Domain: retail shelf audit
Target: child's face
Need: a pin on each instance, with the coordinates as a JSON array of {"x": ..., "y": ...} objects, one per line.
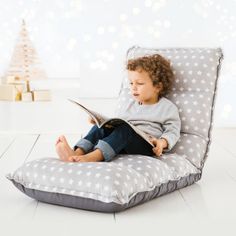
[{"x": 142, "y": 88}]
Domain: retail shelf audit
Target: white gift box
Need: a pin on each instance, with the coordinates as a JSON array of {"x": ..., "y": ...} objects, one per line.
[
  {"x": 27, "y": 97},
  {"x": 41, "y": 95}
]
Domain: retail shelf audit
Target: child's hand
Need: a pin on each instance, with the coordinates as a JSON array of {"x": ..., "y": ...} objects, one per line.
[
  {"x": 159, "y": 144},
  {"x": 91, "y": 120}
]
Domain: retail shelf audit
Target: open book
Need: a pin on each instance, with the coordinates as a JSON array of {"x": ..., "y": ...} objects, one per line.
[{"x": 102, "y": 120}]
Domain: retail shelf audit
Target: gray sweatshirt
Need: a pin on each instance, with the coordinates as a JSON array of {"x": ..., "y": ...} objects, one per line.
[{"x": 160, "y": 120}]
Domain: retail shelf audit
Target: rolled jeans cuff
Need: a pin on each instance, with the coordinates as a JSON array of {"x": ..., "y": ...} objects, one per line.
[
  {"x": 106, "y": 149},
  {"x": 85, "y": 144}
]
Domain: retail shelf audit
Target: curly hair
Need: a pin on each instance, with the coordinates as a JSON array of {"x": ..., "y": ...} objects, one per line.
[{"x": 158, "y": 69}]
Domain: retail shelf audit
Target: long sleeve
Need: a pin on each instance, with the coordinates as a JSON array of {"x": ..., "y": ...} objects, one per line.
[
  {"x": 171, "y": 128},
  {"x": 160, "y": 120}
]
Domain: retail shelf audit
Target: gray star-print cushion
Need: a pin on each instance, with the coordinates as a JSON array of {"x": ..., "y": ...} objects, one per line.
[
  {"x": 118, "y": 181},
  {"x": 196, "y": 71},
  {"x": 129, "y": 180}
]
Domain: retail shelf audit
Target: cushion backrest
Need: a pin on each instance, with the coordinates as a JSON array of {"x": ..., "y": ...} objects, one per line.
[{"x": 196, "y": 73}]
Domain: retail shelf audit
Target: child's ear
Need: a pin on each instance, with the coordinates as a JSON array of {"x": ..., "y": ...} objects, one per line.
[{"x": 159, "y": 86}]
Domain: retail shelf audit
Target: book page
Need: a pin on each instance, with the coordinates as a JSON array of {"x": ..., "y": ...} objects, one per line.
[{"x": 97, "y": 117}]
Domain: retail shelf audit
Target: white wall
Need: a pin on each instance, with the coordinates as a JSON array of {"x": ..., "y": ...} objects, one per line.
[{"x": 82, "y": 43}]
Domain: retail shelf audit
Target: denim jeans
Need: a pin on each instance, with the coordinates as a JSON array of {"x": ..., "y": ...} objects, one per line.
[{"x": 113, "y": 141}]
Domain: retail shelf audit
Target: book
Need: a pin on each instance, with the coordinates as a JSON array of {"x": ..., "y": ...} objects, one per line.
[{"x": 102, "y": 120}]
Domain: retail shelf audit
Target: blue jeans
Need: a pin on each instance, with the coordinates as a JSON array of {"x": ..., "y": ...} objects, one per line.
[{"x": 113, "y": 141}]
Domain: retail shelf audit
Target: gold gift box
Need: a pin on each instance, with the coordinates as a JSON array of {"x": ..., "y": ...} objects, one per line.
[{"x": 11, "y": 92}]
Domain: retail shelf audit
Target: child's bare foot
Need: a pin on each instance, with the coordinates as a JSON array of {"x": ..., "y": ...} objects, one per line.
[
  {"x": 93, "y": 156},
  {"x": 61, "y": 139},
  {"x": 81, "y": 158},
  {"x": 79, "y": 152},
  {"x": 63, "y": 149}
]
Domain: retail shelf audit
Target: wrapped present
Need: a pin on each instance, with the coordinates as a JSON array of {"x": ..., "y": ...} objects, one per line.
[
  {"x": 27, "y": 97},
  {"x": 11, "y": 92},
  {"x": 41, "y": 95}
]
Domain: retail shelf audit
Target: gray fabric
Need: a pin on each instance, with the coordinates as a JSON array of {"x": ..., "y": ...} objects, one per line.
[
  {"x": 117, "y": 181},
  {"x": 96, "y": 205},
  {"x": 133, "y": 179},
  {"x": 158, "y": 120},
  {"x": 107, "y": 151}
]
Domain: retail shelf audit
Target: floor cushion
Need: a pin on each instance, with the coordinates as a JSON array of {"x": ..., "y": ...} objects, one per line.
[{"x": 129, "y": 180}]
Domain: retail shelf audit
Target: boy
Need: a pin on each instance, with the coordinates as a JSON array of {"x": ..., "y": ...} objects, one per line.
[{"x": 151, "y": 78}]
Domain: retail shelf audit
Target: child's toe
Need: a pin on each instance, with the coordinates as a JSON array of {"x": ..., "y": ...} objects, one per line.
[{"x": 63, "y": 139}]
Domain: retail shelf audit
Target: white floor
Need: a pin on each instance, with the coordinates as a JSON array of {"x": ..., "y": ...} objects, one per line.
[{"x": 208, "y": 206}]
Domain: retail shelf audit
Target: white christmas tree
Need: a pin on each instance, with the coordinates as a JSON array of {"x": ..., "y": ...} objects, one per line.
[{"x": 25, "y": 64}]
